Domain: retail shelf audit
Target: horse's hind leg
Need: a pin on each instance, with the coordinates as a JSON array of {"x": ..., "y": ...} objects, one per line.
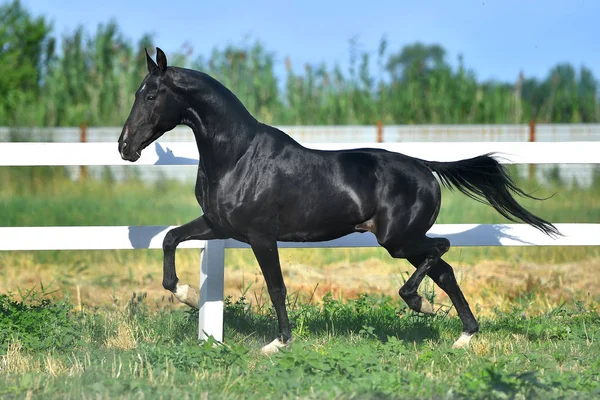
[
  {"x": 426, "y": 256},
  {"x": 194, "y": 230},
  {"x": 443, "y": 275},
  {"x": 425, "y": 253}
]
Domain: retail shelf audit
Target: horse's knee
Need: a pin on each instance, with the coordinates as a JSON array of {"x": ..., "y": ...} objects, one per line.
[
  {"x": 442, "y": 245},
  {"x": 170, "y": 241}
]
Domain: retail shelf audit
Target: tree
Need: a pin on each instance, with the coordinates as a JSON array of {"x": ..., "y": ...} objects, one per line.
[
  {"x": 416, "y": 61},
  {"x": 587, "y": 96},
  {"x": 95, "y": 76},
  {"x": 25, "y": 47}
]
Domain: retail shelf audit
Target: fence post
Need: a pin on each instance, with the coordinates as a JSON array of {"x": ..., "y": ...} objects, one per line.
[
  {"x": 212, "y": 266},
  {"x": 379, "y": 132},
  {"x": 531, "y": 139},
  {"x": 83, "y": 139}
]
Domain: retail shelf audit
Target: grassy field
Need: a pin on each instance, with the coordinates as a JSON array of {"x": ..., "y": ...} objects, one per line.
[{"x": 371, "y": 347}]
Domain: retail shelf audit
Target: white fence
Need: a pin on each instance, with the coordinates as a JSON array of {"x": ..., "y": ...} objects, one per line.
[
  {"x": 579, "y": 174},
  {"x": 213, "y": 256}
]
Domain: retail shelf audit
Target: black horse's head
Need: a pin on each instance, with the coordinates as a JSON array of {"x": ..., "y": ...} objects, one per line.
[{"x": 156, "y": 110}]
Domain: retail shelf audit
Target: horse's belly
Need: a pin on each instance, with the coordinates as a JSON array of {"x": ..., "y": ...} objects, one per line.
[
  {"x": 310, "y": 228},
  {"x": 315, "y": 236}
]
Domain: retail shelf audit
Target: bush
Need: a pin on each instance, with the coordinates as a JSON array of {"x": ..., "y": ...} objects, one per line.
[{"x": 38, "y": 323}]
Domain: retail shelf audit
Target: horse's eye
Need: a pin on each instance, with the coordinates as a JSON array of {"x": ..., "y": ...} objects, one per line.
[{"x": 151, "y": 98}]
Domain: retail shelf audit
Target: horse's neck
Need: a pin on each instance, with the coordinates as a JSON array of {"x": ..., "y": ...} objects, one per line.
[
  {"x": 222, "y": 137},
  {"x": 223, "y": 128}
]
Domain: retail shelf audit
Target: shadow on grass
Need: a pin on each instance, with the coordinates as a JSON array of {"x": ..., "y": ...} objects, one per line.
[
  {"x": 380, "y": 318},
  {"x": 368, "y": 316}
]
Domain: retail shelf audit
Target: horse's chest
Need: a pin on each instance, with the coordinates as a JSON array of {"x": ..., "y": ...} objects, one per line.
[
  {"x": 214, "y": 203},
  {"x": 236, "y": 203},
  {"x": 202, "y": 193}
]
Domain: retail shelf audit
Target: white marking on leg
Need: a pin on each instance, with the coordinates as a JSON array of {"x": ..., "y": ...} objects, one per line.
[
  {"x": 274, "y": 346},
  {"x": 426, "y": 306},
  {"x": 462, "y": 341},
  {"x": 187, "y": 295},
  {"x": 181, "y": 292}
]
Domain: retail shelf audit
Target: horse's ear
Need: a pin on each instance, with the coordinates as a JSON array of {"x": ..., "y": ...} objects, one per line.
[
  {"x": 161, "y": 59},
  {"x": 150, "y": 62}
]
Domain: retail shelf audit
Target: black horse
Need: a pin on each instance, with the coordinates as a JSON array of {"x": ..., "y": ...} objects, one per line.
[{"x": 258, "y": 185}]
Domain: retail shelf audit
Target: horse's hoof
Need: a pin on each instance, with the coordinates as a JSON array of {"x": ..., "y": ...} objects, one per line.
[
  {"x": 463, "y": 341},
  {"x": 274, "y": 347},
  {"x": 426, "y": 307},
  {"x": 187, "y": 295}
]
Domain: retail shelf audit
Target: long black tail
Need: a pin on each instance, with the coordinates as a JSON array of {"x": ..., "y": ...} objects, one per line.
[{"x": 484, "y": 179}]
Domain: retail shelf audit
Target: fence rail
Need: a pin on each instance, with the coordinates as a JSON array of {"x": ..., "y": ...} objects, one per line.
[
  {"x": 186, "y": 153},
  {"x": 212, "y": 264},
  {"x": 346, "y": 133},
  {"x": 579, "y": 174},
  {"x": 151, "y": 237}
]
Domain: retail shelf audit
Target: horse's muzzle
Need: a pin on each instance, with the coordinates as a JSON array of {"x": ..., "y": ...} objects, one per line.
[{"x": 126, "y": 152}]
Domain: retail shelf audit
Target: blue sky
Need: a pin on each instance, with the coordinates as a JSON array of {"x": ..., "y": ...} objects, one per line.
[{"x": 497, "y": 38}]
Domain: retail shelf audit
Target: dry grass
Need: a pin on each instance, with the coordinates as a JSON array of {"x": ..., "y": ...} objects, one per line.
[
  {"x": 54, "y": 366},
  {"x": 487, "y": 284},
  {"x": 123, "y": 339},
  {"x": 17, "y": 361},
  {"x": 500, "y": 284}
]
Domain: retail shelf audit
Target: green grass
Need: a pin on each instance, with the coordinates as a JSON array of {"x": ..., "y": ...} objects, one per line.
[
  {"x": 45, "y": 197},
  {"x": 372, "y": 347},
  {"x": 34, "y": 196}
]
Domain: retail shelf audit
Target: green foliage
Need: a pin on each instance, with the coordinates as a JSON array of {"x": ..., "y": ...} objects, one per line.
[
  {"x": 46, "y": 197},
  {"x": 491, "y": 383},
  {"x": 94, "y": 77},
  {"x": 37, "y": 322},
  {"x": 189, "y": 355},
  {"x": 25, "y": 46},
  {"x": 359, "y": 362}
]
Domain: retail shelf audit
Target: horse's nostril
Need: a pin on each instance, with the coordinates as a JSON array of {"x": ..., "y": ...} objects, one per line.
[{"x": 124, "y": 144}]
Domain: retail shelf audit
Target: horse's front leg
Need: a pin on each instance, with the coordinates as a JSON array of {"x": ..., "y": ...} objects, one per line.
[
  {"x": 265, "y": 251},
  {"x": 194, "y": 230}
]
